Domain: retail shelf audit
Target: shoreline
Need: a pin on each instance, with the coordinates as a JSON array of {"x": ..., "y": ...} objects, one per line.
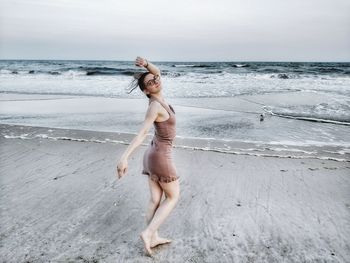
[
  {"x": 227, "y": 124},
  {"x": 263, "y": 149}
]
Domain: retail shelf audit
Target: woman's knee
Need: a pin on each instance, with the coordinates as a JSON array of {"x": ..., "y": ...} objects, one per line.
[
  {"x": 175, "y": 197},
  {"x": 172, "y": 193},
  {"x": 171, "y": 190}
]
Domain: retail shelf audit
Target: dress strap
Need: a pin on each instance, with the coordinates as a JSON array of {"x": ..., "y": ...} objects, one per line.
[{"x": 167, "y": 108}]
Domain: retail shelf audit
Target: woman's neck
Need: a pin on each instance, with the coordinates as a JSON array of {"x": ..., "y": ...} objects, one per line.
[{"x": 158, "y": 96}]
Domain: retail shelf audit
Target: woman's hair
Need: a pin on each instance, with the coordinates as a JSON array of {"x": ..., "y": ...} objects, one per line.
[{"x": 138, "y": 81}]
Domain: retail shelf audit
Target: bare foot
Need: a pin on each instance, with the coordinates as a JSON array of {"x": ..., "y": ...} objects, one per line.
[
  {"x": 146, "y": 238},
  {"x": 159, "y": 241}
]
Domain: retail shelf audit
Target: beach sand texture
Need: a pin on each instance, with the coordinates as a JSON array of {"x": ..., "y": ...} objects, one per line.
[{"x": 61, "y": 202}]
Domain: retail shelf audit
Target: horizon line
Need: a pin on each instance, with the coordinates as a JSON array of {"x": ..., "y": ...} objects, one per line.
[{"x": 185, "y": 61}]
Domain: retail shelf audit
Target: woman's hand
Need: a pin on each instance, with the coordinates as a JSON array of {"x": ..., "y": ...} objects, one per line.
[
  {"x": 141, "y": 62},
  {"x": 122, "y": 168}
]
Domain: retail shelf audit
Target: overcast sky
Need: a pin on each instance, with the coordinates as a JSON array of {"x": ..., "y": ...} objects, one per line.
[{"x": 181, "y": 30}]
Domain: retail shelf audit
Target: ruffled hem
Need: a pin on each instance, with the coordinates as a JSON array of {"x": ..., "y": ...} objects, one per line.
[{"x": 161, "y": 179}]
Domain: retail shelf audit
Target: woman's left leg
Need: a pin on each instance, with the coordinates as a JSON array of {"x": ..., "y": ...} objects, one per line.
[{"x": 156, "y": 196}]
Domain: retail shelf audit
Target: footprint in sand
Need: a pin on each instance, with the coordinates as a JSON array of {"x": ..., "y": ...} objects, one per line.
[{"x": 330, "y": 168}]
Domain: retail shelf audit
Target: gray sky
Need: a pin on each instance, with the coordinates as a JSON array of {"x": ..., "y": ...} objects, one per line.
[{"x": 181, "y": 30}]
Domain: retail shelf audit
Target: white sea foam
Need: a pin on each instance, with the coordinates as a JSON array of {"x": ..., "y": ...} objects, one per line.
[
  {"x": 263, "y": 152},
  {"x": 22, "y": 136}
]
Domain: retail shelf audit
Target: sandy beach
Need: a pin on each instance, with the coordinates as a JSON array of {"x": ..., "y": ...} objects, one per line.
[
  {"x": 254, "y": 100},
  {"x": 61, "y": 202}
]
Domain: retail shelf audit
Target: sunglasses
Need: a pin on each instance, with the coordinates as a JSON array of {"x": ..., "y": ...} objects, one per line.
[{"x": 153, "y": 81}]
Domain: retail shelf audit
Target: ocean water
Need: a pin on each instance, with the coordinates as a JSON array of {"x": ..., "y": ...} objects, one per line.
[{"x": 264, "y": 103}]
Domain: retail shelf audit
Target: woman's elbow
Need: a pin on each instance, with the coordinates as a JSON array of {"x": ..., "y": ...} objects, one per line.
[{"x": 141, "y": 136}]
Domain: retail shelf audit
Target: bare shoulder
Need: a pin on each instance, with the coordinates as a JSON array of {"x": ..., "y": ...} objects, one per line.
[
  {"x": 154, "y": 105},
  {"x": 153, "y": 108}
]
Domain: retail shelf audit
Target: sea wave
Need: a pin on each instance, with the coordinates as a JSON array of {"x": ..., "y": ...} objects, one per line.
[
  {"x": 285, "y": 76},
  {"x": 282, "y": 70},
  {"x": 193, "y": 65},
  {"x": 240, "y": 65},
  {"x": 323, "y": 112}
]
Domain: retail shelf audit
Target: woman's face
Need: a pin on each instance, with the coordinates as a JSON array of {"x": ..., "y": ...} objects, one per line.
[{"x": 153, "y": 84}]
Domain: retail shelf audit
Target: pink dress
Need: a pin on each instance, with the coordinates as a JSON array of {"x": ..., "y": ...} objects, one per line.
[{"x": 157, "y": 159}]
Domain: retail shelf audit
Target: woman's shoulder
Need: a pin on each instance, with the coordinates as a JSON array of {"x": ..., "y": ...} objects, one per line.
[
  {"x": 154, "y": 104},
  {"x": 157, "y": 106}
]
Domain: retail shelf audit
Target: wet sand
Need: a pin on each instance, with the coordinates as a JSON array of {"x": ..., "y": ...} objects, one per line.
[{"x": 61, "y": 202}]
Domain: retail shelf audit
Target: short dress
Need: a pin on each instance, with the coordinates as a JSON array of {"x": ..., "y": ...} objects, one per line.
[{"x": 157, "y": 159}]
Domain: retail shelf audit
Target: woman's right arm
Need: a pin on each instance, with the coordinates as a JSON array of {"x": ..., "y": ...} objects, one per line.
[
  {"x": 151, "y": 115},
  {"x": 142, "y": 62}
]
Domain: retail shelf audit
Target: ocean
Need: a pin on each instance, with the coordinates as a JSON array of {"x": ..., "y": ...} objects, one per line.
[{"x": 264, "y": 107}]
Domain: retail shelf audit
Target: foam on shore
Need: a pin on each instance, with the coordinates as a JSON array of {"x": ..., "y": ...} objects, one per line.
[{"x": 336, "y": 152}]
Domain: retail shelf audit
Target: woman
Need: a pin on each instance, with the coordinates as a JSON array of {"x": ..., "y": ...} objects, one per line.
[{"x": 157, "y": 161}]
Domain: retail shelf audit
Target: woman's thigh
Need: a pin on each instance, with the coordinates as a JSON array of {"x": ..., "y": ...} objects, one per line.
[{"x": 172, "y": 189}]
